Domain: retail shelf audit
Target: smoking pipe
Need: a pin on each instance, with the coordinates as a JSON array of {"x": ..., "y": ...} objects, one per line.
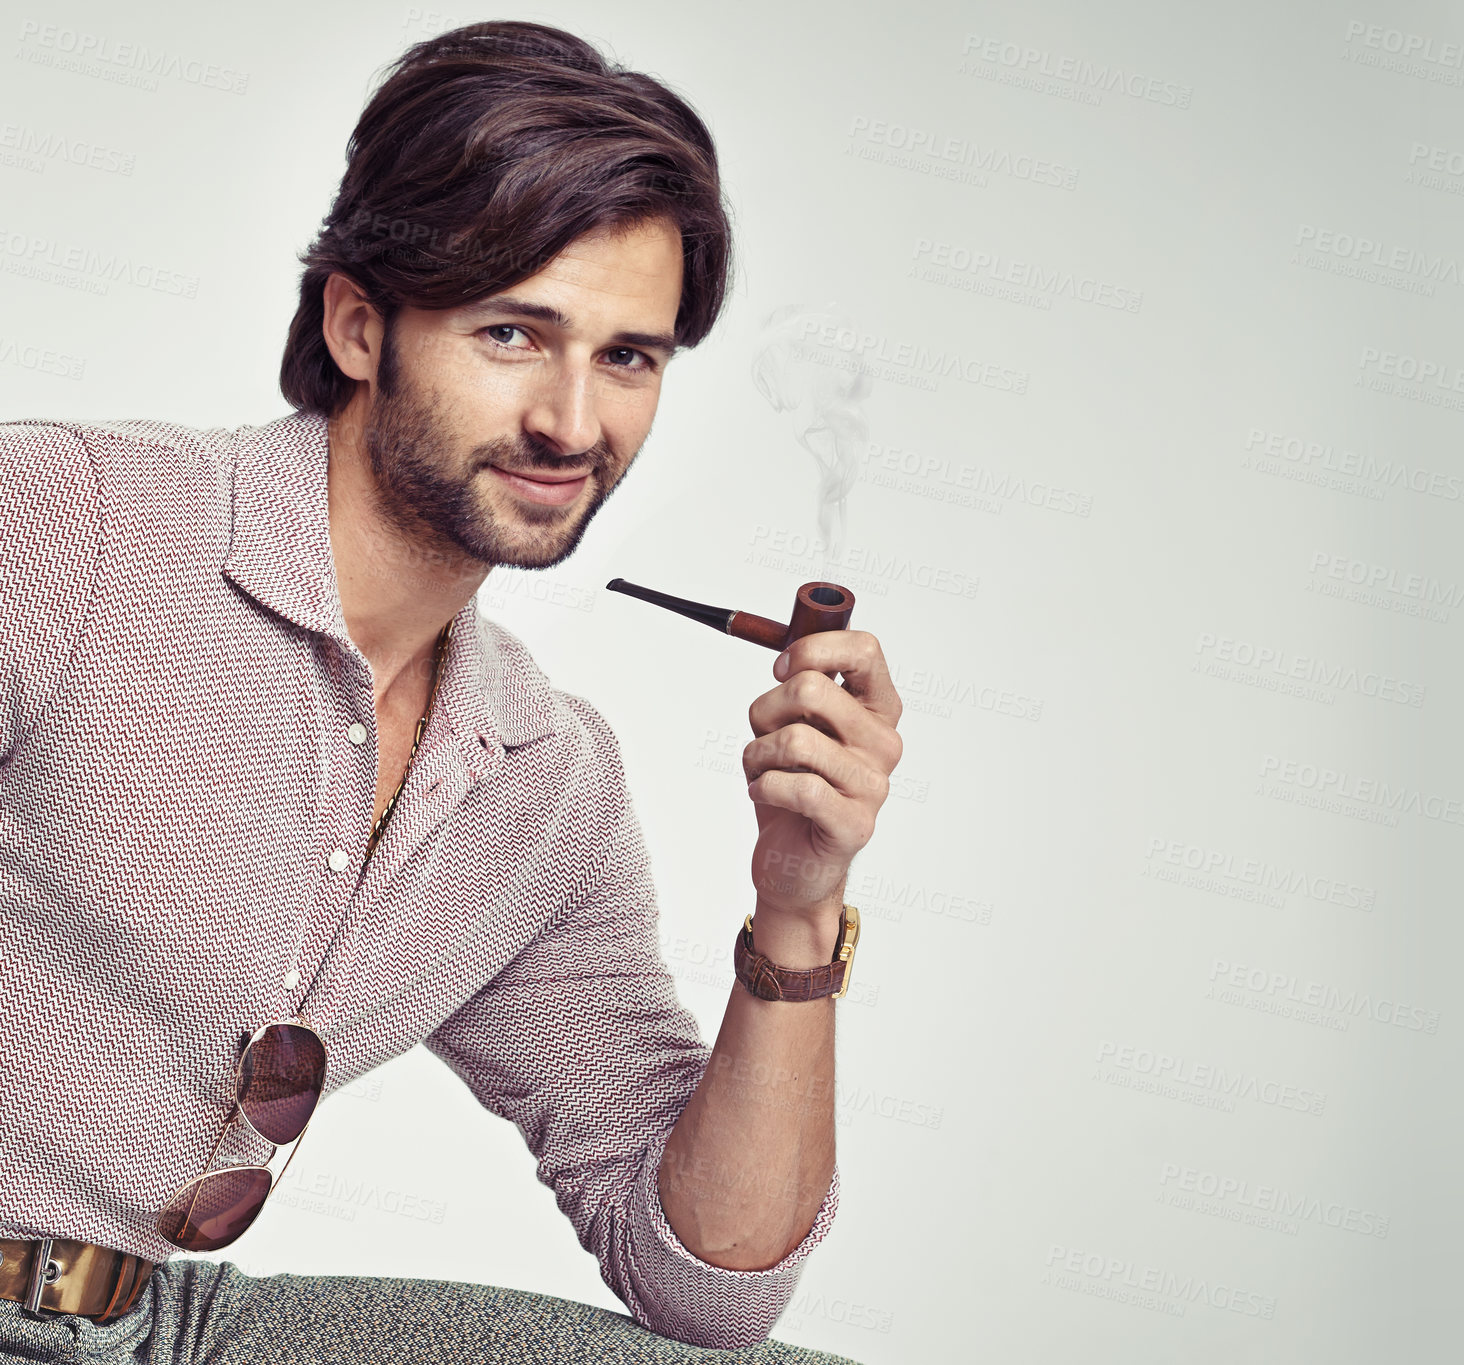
[{"x": 818, "y": 606}]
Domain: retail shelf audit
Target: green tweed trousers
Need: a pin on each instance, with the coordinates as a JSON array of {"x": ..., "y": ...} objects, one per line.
[{"x": 211, "y": 1313}]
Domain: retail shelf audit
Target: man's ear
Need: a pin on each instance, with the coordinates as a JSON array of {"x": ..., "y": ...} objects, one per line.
[{"x": 352, "y": 328}]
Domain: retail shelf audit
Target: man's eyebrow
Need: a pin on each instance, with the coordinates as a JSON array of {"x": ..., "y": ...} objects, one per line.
[{"x": 545, "y": 312}]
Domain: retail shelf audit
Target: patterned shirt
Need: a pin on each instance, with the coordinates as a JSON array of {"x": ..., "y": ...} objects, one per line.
[{"x": 187, "y": 776}]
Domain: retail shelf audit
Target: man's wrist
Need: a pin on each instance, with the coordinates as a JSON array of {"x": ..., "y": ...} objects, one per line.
[{"x": 796, "y": 941}]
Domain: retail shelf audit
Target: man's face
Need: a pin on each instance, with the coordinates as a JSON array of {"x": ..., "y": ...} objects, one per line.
[{"x": 466, "y": 394}]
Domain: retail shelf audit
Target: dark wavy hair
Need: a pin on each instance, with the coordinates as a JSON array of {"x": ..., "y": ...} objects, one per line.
[{"x": 482, "y": 155}]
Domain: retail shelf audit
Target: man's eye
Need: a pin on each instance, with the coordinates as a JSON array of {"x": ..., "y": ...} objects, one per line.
[
  {"x": 627, "y": 352},
  {"x": 502, "y": 327}
]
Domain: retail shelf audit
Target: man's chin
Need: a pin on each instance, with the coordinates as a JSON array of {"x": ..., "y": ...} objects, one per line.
[
  {"x": 530, "y": 551},
  {"x": 535, "y": 559}
]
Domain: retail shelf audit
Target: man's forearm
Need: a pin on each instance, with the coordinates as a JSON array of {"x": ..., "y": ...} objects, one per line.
[{"x": 749, "y": 1161}]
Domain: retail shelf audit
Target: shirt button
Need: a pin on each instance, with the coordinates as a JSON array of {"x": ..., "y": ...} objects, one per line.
[
  {"x": 292, "y": 979},
  {"x": 358, "y": 733},
  {"x": 338, "y": 860}
]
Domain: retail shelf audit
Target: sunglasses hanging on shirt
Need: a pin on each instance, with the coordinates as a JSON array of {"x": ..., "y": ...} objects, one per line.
[{"x": 277, "y": 1084}]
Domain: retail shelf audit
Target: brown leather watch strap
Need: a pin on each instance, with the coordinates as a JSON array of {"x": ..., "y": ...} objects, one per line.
[{"x": 765, "y": 979}]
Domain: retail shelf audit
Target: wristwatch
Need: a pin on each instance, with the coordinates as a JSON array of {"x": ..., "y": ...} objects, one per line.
[{"x": 766, "y": 980}]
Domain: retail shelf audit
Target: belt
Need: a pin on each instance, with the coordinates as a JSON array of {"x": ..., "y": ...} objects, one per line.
[{"x": 60, "y": 1275}]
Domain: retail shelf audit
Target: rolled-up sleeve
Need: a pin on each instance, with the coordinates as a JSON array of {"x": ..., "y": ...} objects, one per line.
[
  {"x": 703, "y": 1303},
  {"x": 582, "y": 1043}
]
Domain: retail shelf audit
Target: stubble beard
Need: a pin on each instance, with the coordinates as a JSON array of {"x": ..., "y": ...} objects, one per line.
[{"x": 446, "y": 506}]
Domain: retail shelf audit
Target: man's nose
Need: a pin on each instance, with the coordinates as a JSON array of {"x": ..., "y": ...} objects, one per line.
[{"x": 563, "y": 411}]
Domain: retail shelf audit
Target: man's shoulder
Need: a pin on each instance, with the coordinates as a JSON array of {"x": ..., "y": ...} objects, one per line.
[
  {"x": 153, "y": 442},
  {"x": 127, "y": 459},
  {"x": 527, "y": 701},
  {"x": 137, "y": 431}
]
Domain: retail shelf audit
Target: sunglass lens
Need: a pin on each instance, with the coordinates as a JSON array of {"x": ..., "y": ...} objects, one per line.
[
  {"x": 213, "y": 1210},
  {"x": 281, "y": 1076}
]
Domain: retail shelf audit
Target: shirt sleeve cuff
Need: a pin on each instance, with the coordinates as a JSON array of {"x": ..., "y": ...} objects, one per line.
[{"x": 679, "y": 1295}]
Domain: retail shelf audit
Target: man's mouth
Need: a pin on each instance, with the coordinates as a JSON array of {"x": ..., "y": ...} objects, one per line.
[{"x": 545, "y": 488}]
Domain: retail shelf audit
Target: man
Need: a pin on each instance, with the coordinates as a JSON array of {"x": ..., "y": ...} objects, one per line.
[{"x": 276, "y": 804}]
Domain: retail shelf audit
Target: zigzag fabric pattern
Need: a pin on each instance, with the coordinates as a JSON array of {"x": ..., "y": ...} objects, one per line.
[{"x": 183, "y": 813}]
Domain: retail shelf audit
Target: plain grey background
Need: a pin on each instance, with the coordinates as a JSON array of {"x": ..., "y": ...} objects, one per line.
[{"x": 1137, "y": 326}]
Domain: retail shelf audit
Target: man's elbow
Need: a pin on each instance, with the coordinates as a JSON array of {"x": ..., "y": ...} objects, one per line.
[{"x": 698, "y": 1329}]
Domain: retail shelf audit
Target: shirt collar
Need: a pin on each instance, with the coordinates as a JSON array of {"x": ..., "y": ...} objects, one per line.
[{"x": 493, "y": 693}]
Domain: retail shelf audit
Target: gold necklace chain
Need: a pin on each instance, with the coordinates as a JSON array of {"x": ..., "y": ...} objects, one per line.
[{"x": 442, "y": 638}]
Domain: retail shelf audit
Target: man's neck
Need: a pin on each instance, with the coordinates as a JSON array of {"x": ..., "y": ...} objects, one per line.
[{"x": 396, "y": 594}]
